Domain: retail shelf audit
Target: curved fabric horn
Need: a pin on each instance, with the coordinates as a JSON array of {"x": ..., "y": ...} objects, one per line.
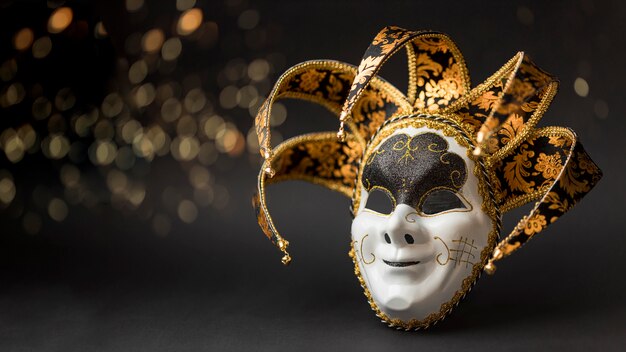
[
  {"x": 318, "y": 158},
  {"x": 327, "y": 82},
  {"x": 504, "y": 109},
  {"x": 551, "y": 166},
  {"x": 437, "y": 71}
]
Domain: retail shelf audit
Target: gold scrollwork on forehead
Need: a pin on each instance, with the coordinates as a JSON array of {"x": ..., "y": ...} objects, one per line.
[
  {"x": 373, "y": 156},
  {"x": 453, "y": 178},
  {"x": 432, "y": 147},
  {"x": 443, "y": 161},
  {"x": 418, "y": 122},
  {"x": 405, "y": 145}
]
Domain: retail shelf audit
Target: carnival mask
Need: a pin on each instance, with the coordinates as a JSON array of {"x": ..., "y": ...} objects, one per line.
[{"x": 429, "y": 172}]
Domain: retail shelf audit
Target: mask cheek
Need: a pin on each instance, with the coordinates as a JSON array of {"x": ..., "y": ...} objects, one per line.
[
  {"x": 366, "y": 223},
  {"x": 366, "y": 232}
]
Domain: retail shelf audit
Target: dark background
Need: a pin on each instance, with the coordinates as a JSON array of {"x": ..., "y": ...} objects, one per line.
[{"x": 102, "y": 280}]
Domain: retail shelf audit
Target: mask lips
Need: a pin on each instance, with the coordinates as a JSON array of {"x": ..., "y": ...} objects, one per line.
[{"x": 400, "y": 264}]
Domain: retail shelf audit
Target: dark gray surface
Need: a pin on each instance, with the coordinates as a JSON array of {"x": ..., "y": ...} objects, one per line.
[
  {"x": 100, "y": 282},
  {"x": 119, "y": 290}
]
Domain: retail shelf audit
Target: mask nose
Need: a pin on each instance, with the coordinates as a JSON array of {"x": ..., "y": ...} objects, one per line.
[{"x": 403, "y": 228}]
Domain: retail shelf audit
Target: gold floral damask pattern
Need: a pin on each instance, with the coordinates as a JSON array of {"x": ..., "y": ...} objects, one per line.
[
  {"x": 372, "y": 109},
  {"x": 327, "y": 83},
  {"x": 319, "y": 158},
  {"x": 534, "y": 165},
  {"x": 509, "y": 104},
  {"x": 550, "y": 166},
  {"x": 440, "y": 72},
  {"x": 437, "y": 70}
]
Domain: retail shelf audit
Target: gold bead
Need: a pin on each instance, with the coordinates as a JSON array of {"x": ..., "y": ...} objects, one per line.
[
  {"x": 286, "y": 259},
  {"x": 497, "y": 254},
  {"x": 480, "y": 136},
  {"x": 270, "y": 172},
  {"x": 490, "y": 268},
  {"x": 341, "y": 135}
]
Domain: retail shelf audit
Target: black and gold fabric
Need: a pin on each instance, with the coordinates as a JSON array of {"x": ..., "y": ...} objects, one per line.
[{"x": 524, "y": 163}]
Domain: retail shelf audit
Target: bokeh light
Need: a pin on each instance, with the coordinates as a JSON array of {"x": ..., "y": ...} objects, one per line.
[
  {"x": 134, "y": 5},
  {"x": 187, "y": 211},
  {"x": 167, "y": 99},
  {"x": 57, "y": 209},
  {"x": 189, "y": 21},
  {"x": 581, "y": 87},
  {"x": 100, "y": 31},
  {"x": 60, "y": 19},
  {"x": 23, "y": 39},
  {"x": 171, "y": 49},
  {"x": 182, "y": 5},
  {"x": 42, "y": 47},
  {"x": 152, "y": 40},
  {"x": 7, "y": 190}
]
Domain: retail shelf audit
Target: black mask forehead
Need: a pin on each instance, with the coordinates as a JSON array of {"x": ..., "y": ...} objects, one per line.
[{"x": 411, "y": 166}]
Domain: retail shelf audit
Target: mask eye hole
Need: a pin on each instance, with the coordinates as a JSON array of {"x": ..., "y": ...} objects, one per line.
[
  {"x": 380, "y": 201},
  {"x": 441, "y": 200}
]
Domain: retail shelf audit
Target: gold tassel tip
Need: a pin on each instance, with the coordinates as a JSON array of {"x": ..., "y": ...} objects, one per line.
[
  {"x": 341, "y": 135},
  {"x": 490, "y": 268},
  {"x": 270, "y": 172},
  {"x": 286, "y": 259},
  {"x": 282, "y": 245}
]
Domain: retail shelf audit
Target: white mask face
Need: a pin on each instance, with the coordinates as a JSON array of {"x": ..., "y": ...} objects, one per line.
[{"x": 419, "y": 252}]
